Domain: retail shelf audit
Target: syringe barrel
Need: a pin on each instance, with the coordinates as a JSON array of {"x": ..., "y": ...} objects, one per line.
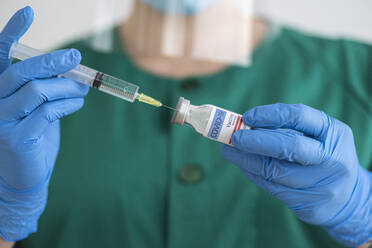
[
  {"x": 81, "y": 73},
  {"x": 22, "y": 52},
  {"x": 85, "y": 75}
]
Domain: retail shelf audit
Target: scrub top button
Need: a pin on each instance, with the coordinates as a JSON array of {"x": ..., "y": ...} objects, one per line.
[
  {"x": 189, "y": 84},
  {"x": 190, "y": 174}
]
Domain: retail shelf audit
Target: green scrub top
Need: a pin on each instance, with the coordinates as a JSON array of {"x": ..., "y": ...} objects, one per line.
[{"x": 126, "y": 177}]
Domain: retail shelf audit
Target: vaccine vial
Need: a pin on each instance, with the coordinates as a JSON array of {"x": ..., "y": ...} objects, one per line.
[{"x": 210, "y": 121}]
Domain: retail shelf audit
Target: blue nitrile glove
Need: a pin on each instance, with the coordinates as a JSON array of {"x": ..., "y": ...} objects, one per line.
[
  {"x": 310, "y": 164},
  {"x": 32, "y": 100}
]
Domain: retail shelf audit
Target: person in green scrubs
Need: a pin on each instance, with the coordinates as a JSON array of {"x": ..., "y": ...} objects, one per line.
[{"x": 126, "y": 177}]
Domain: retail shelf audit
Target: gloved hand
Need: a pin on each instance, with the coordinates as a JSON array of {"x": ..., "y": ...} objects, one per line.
[
  {"x": 32, "y": 100},
  {"x": 307, "y": 160}
]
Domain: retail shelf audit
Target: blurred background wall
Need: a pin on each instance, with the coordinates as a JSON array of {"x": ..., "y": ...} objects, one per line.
[{"x": 57, "y": 22}]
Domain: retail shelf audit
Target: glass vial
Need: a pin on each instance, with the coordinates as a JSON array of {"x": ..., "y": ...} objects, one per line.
[{"x": 210, "y": 121}]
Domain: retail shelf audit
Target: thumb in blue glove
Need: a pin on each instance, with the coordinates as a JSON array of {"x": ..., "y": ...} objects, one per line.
[
  {"x": 13, "y": 31},
  {"x": 307, "y": 160},
  {"x": 32, "y": 100}
]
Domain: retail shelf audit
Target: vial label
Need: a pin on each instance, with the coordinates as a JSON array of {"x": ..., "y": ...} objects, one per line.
[{"x": 223, "y": 124}]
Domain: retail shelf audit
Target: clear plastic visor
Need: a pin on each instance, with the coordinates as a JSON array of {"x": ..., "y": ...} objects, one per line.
[{"x": 205, "y": 30}]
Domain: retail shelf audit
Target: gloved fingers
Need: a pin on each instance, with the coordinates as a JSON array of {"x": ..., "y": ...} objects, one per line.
[
  {"x": 266, "y": 174},
  {"x": 280, "y": 144},
  {"x": 265, "y": 168},
  {"x": 37, "y": 122},
  {"x": 14, "y": 29},
  {"x": 273, "y": 188},
  {"x": 307, "y": 204},
  {"x": 281, "y": 172},
  {"x": 253, "y": 167},
  {"x": 44, "y": 66},
  {"x": 302, "y": 202},
  {"x": 33, "y": 94},
  {"x": 235, "y": 156},
  {"x": 311, "y": 122}
]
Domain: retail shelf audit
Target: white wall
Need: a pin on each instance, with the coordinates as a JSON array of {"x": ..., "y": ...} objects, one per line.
[
  {"x": 347, "y": 18},
  {"x": 59, "y": 21}
]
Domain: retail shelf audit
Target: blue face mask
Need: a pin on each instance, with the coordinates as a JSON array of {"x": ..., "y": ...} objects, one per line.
[{"x": 182, "y": 7}]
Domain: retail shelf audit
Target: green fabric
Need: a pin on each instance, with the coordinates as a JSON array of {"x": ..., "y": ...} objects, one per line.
[{"x": 116, "y": 180}]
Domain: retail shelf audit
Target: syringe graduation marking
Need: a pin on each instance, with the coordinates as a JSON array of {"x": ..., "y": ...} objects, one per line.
[
  {"x": 98, "y": 83},
  {"x": 117, "y": 91}
]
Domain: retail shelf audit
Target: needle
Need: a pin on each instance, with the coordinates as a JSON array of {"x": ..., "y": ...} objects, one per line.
[{"x": 168, "y": 107}]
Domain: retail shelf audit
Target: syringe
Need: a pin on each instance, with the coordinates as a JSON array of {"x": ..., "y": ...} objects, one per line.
[{"x": 91, "y": 77}]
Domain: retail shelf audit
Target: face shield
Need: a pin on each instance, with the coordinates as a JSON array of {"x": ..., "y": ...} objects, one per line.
[{"x": 202, "y": 30}]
